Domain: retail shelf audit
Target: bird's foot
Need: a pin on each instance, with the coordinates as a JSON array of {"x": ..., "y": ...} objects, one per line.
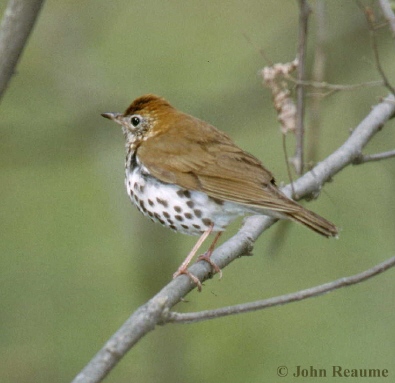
[
  {"x": 207, "y": 257},
  {"x": 183, "y": 270}
]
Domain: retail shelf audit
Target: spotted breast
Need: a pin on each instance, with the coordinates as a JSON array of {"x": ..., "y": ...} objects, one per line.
[{"x": 185, "y": 211}]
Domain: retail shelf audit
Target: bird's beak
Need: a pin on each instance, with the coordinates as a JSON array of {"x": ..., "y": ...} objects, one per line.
[{"x": 111, "y": 116}]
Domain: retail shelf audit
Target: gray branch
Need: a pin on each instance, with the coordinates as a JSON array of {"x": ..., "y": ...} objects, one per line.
[
  {"x": 155, "y": 310},
  {"x": 298, "y": 159},
  {"x": 15, "y": 28},
  {"x": 362, "y": 159},
  {"x": 174, "y": 317},
  {"x": 388, "y": 14}
]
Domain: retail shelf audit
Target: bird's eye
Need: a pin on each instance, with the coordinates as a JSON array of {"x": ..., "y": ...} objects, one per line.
[{"x": 135, "y": 120}]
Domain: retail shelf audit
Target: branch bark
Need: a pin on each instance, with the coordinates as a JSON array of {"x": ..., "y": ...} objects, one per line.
[
  {"x": 144, "y": 319},
  {"x": 15, "y": 28}
]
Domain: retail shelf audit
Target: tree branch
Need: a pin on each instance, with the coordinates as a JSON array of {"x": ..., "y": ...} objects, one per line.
[
  {"x": 370, "y": 18},
  {"x": 318, "y": 75},
  {"x": 144, "y": 319},
  {"x": 175, "y": 317},
  {"x": 15, "y": 28},
  {"x": 298, "y": 159},
  {"x": 388, "y": 14},
  {"x": 374, "y": 157},
  {"x": 332, "y": 88}
]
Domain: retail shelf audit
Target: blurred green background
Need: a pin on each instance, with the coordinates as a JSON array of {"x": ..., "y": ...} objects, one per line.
[{"x": 77, "y": 258}]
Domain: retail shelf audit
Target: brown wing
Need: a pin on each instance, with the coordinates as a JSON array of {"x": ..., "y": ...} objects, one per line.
[{"x": 197, "y": 156}]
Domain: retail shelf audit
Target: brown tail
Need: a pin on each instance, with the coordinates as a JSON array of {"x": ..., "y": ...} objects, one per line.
[{"x": 314, "y": 222}]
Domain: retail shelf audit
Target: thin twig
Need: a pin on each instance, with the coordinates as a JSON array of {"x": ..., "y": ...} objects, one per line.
[
  {"x": 336, "y": 87},
  {"x": 175, "y": 317},
  {"x": 15, "y": 28},
  {"x": 287, "y": 164},
  {"x": 374, "y": 157},
  {"x": 259, "y": 49},
  {"x": 298, "y": 159},
  {"x": 388, "y": 14},
  {"x": 369, "y": 15}
]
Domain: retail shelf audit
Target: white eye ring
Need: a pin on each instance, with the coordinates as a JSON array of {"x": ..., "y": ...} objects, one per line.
[{"x": 135, "y": 120}]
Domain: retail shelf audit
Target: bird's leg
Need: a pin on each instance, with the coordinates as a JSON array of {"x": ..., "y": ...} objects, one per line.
[
  {"x": 207, "y": 255},
  {"x": 183, "y": 269}
]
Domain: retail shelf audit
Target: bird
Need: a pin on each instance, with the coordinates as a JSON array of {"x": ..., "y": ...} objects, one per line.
[{"x": 189, "y": 176}]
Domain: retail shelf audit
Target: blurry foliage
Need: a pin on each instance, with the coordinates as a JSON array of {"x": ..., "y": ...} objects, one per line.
[{"x": 77, "y": 258}]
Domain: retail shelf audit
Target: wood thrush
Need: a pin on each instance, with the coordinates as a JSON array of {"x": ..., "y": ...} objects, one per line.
[{"x": 189, "y": 176}]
